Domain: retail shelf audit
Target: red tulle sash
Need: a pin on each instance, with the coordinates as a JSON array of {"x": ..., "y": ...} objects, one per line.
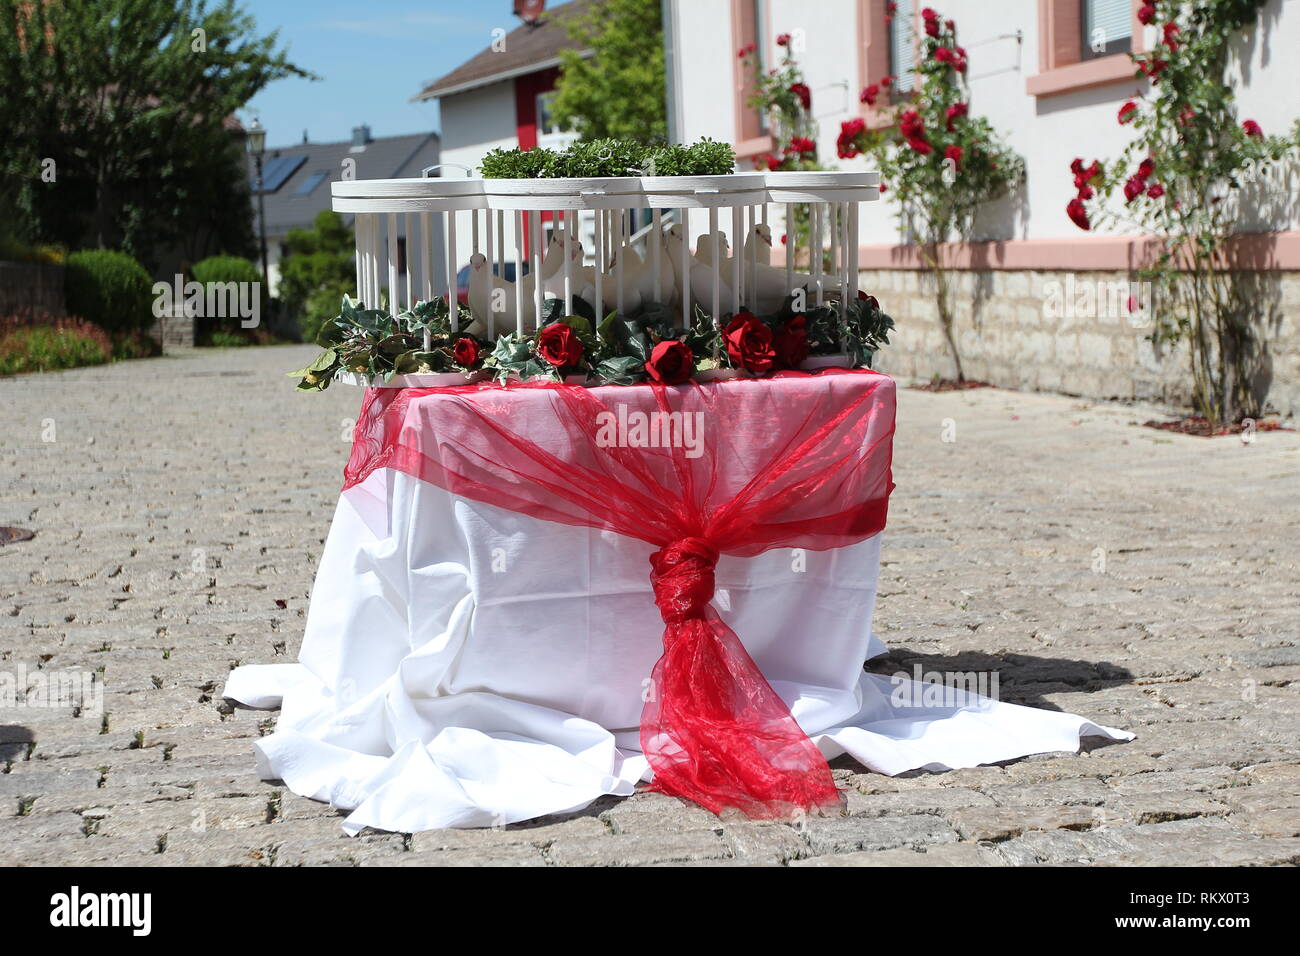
[{"x": 735, "y": 467}]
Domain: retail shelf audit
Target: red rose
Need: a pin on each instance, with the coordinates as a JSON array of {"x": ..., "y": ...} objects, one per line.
[
  {"x": 910, "y": 124},
  {"x": 920, "y": 145},
  {"x": 960, "y": 66},
  {"x": 802, "y": 145},
  {"x": 791, "y": 342},
  {"x": 1078, "y": 215},
  {"x": 956, "y": 111},
  {"x": 929, "y": 14},
  {"x": 784, "y": 238},
  {"x": 466, "y": 352},
  {"x": 943, "y": 54},
  {"x": 671, "y": 362},
  {"x": 886, "y": 80},
  {"x": 1133, "y": 188},
  {"x": 1171, "y": 31},
  {"x": 1146, "y": 168},
  {"x": 783, "y": 39},
  {"x": 1156, "y": 191},
  {"x": 932, "y": 27},
  {"x": 773, "y": 163},
  {"x": 1076, "y": 166},
  {"x": 1252, "y": 129},
  {"x": 870, "y": 300},
  {"x": 949, "y": 25},
  {"x": 954, "y": 153},
  {"x": 749, "y": 343},
  {"x": 558, "y": 344},
  {"x": 1152, "y": 68},
  {"x": 1146, "y": 13},
  {"x": 805, "y": 95},
  {"x": 1126, "y": 111},
  {"x": 869, "y": 94}
]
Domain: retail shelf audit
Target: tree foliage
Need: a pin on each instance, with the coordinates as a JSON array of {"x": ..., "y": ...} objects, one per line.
[
  {"x": 319, "y": 271},
  {"x": 116, "y": 122},
  {"x": 618, "y": 92}
]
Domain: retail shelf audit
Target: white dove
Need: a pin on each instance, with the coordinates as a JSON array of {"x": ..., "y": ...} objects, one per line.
[
  {"x": 701, "y": 277},
  {"x": 487, "y": 289},
  {"x": 633, "y": 268},
  {"x": 758, "y": 244}
]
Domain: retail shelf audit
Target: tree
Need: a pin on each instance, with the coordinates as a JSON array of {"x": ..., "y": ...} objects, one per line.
[
  {"x": 619, "y": 91},
  {"x": 940, "y": 163},
  {"x": 116, "y": 117},
  {"x": 1184, "y": 179},
  {"x": 319, "y": 270}
]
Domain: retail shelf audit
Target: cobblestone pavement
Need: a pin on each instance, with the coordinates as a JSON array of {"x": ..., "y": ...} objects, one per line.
[{"x": 1145, "y": 580}]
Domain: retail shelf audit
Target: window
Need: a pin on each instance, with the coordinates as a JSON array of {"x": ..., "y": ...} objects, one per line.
[
  {"x": 1107, "y": 27},
  {"x": 310, "y": 183},
  {"x": 549, "y": 133},
  {"x": 902, "y": 47},
  {"x": 749, "y": 27},
  {"x": 1082, "y": 44}
]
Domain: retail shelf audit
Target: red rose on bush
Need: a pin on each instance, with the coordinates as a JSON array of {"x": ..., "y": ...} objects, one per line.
[
  {"x": 791, "y": 342},
  {"x": 932, "y": 27},
  {"x": 943, "y": 54},
  {"x": 558, "y": 344},
  {"x": 868, "y": 299},
  {"x": 1133, "y": 188},
  {"x": 466, "y": 352},
  {"x": 869, "y": 94},
  {"x": 783, "y": 39},
  {"x": 749, "y": 343},
  {"x": 1078, "y": 215},
  {"x": 1146, "y": 13},
  {"x": 911, "y": 125},
  {"x": 671, "y": 362},
  {"x": 1126, "y": 111},
  {"x": 802, "y": 145},
  {"x": 1171, "y": 31},
  {"x": 1253, "y": 129},
  {"x": 956, "y": 111},
  {"x": 920, "y": 145},
  {"x": 1146, "y": 168},
  {"x": 805, "y": 95},
  {"x": 1156, "y": 191},
  {"x": 954, "y": 153}
]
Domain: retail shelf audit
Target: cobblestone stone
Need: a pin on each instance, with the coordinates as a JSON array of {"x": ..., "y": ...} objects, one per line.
[{"x": 1142, "y": 579}]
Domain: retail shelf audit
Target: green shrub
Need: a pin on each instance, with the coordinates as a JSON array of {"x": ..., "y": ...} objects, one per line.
[
  {"x": 110, "y": 289},
  {"x": 224, "y": 269},
  {"x": 611, "y": 157},
  {"x": 41, "y": 343}
]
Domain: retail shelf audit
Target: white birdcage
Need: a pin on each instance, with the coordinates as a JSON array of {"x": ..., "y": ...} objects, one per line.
[{"x": 742, "y": 211}]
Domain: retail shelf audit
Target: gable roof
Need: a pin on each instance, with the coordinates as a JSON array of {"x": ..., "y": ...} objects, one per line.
[
  {"x": 527, "y": 49},
  {"x": 305, "y": 190}
]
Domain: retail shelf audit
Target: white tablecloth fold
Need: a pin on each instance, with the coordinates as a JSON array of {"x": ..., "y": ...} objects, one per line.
[{"x": 467, "y": 666}]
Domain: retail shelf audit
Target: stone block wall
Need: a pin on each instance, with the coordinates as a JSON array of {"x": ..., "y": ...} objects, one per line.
[
  {"x": 1013, "y": 329},
  {"x": 31, "y": 285}
]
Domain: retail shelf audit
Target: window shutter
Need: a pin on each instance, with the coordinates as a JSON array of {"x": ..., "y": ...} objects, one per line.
[
  {"x": 902, "y": 46},
  {"x": 1114, "y": 18}
]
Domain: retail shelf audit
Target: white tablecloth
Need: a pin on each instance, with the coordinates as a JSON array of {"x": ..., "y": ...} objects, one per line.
[{"x": 469, "y": 666}]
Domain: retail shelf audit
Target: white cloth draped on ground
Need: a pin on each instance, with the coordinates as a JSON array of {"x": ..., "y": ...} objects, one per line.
[{"x": 466, "y": 665}]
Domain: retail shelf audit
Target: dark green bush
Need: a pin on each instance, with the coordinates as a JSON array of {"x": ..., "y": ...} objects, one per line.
[
  {"x": 611, "y": 157},
  {"x": 222, "y": 269},
  {"x": 110, "y": 289}
]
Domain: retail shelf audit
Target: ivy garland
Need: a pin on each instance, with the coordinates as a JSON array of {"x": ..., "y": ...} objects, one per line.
[{"x": 620, "y": 350}]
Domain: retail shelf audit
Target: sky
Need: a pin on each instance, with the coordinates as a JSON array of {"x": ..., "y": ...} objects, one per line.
[{"x": 371, "y": 57}]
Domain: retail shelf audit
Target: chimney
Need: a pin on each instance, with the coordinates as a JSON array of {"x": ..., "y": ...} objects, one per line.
[{"x": 360, "y": 135}]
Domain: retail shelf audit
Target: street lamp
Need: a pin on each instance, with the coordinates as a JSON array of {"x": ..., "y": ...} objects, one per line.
[{"x": 255, "y": 142}]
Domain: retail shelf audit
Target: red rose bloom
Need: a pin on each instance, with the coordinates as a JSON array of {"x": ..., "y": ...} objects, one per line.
[
  {"x": 791, "y": 342},
  {"x": 954, "y": 153},
  {"x": 932, "y": 27},
  {"x": 1146, "y": 13},
  {"x": 869, "y": 94},
  {"x": 1156, "y": 191},
  {"x": 911, "y": 125},
  {"x": 805, "y": 95},
  {"x": 956, "y": 111},
  {"x": 773, "y": 163},
  {"x": 783, "y": 40},
  {"x": 920, "y": 145},
  {"x": 949, "y": 25},
  {"x": 1252, "y": 129},
  {"x": 870, "y": 300},
  {"x": 1078, "y": 215},
  {"x": 886, "y": 80},
  {"x": 671, "y": 362},
  {"x": 466, "y": 352},
  {"x": 1171, "y": 31},
  {"x": 749, "y": 343},
  {"x": 943, "y": 54},
  {"x": 1126, "y": 111},
  {"x": 1146, "y": 168},
  {"x": 1133, "y": 188},
  {"x": 1076, "y": 166},
  {"x": 558, "y": 344},
  {"x": 802, "y": 145},
  {"x": 929, "y": 14}
]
